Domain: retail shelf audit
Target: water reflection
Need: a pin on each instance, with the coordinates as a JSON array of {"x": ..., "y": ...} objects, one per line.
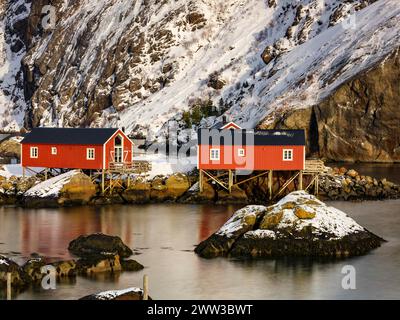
[{"x": 165, "y": 236}]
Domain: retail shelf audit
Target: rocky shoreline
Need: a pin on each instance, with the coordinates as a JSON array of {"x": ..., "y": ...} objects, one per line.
[
  {"x": 96, "y": 253},
  {"x": 76, "y": 188}
]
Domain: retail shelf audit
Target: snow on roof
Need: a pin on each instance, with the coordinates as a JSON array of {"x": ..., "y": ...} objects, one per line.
[{"x": 51, "y": 187}]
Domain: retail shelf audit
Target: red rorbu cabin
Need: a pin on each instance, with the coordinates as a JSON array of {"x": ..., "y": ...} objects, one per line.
[
  {"x": 232, "y": 148},
  {"x": 76, "y": 148}
]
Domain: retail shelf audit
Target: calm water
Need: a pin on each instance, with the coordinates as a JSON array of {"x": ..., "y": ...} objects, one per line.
[{"x": 165, "y": 236}]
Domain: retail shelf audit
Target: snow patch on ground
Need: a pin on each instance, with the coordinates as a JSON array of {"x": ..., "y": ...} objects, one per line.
[
  {"x": 10, "y": 170},
  {"x": 238, "y": 220},
  {"x": 51, "y": 187}
]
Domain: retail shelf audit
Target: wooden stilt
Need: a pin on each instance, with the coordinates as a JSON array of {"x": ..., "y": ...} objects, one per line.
[
  {"x": 46, "y": 173},
  {"x": 23, "y": 172},
  {"x": 316, "y": 184},
  {"x": 201, "y": 180},
  {"x": 270, "y": 184},
  {"x": 301, "y": 180},
  {"x": 230, "y": 181},
  {"x": 129, "y": 180},
  {"x": 102, "y": 181}
]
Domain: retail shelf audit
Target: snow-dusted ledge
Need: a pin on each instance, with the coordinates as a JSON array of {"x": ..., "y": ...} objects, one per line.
[
  {"x": 298, "y": 225},
  {"x": 51, "y": 187},
  {"x": 124, "y": 294}
]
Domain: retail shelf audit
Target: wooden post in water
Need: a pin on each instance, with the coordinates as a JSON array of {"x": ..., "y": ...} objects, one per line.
[
  {"x": 9, "y": 280},
  {"x": 145, "y": 287}
]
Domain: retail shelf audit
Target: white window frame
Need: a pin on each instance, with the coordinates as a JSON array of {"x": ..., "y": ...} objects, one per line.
[
  {"x": 34, "y": 152},
  {"x": 287, "y": 155},
  {"x": 214, "y": 154},
  {"x": 241, "y": 152},
  {"x": 54, "y": 151},
  {"x": 88, "y": 154}
]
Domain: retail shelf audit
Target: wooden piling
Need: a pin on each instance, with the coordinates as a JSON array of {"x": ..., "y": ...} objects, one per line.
[
  {"x": 145, "y": 287},
  {"x": 301, "y": 180},
  {"x": 230, "y": 181},
  {"x": 102, "y": 181},
  {"x": 270, "y": 184},
  {"x": 9, "y": 282},
  {"x": 201, "y": 180}
]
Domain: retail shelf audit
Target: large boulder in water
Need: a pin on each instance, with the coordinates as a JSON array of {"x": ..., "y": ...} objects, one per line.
[
  {"x": 298, "y": 225},
  {"x": 99, "y": 244}
]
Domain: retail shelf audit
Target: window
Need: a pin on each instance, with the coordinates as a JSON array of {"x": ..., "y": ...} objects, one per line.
[
  {"x": 34, "y": 152},
  {"x": 53, "y": 150},
  {"x": 90, "y": 154},
  {"x": 241, "y": 152},
  {"x": 214, "y": 154},
  {"x": 287, "y": 154}
]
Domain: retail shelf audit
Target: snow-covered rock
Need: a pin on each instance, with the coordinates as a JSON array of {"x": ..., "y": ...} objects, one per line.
[
  {"x": 125, "y": 294},
  {"x": 72, "y": 187},
  {"x": 298, "y": 225}
]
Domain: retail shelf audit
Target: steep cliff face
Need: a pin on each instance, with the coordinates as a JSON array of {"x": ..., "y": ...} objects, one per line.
[
  {"x": 142, "y": 63},
  {"x": 359, "y": 121}
]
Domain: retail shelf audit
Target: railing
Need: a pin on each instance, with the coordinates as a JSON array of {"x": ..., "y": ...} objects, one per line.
[
  {"x": 314, "y": 166},
  {"x": 131, "y": 167}
]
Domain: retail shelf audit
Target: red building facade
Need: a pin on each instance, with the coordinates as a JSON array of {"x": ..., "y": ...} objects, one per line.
[
  {"x": 76, "y": 148},
  {"x": 252, "y": 150}
]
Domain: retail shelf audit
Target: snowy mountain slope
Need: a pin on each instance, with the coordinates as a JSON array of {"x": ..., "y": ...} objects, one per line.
[
  {"x": 141, "y": 63},
  {"x": 312, "y": 71},
  {"x": 12, "y": 50}
]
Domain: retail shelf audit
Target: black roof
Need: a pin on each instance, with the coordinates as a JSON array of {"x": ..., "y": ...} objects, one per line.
[
  {"x": 251, "y": 137},
  {"x": 92, "y": 136}
]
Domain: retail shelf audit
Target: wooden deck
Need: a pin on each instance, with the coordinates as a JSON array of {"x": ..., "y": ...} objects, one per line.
[
  {"x": 135, "y": 167},
  {"x": 227, "y": 178}
]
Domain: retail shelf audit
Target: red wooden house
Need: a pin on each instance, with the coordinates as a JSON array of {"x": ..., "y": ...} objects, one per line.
[
  {"x": 76, "y": 148},
  {"x": 230, "y": 148}
]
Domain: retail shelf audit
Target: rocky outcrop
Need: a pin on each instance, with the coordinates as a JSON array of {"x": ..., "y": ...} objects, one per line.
[
  {"x": 102, "y": 253},
  {"x": 71, "y": 188},
  {"x": 18, "y": 278},
  {"x": 359, "y": 121},
  {"x": 343, "y": 184},
  {"x": 298, "y": 225},
  {"x": 137, "y": 192},
  {"x": 99, "y": 244},
  {"x": 127, "y": 294},
  {"x": 169, "y": 189}
]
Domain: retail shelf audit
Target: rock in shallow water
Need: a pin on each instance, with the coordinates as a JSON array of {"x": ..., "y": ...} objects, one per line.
[
  {"x": 298, "y": 225},
  {"x": 99, "y": 244}
]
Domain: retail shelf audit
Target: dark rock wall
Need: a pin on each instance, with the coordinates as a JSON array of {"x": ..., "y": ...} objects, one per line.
[{"x": 360, "y": 121}]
